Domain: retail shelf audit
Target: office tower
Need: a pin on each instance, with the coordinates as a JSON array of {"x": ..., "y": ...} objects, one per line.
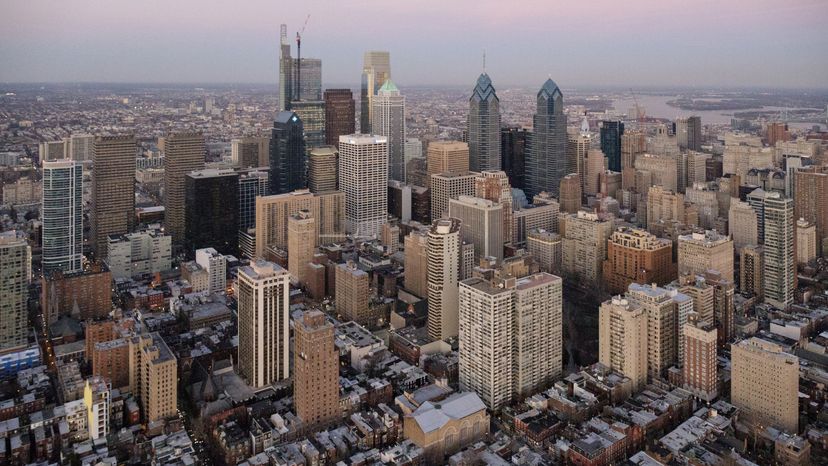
[
  {"x": 301, "y": 244},
  {"x": 542, "y": 214},
  {"x": 546, "y": 248},
  {"x": 363, "y": 177},
  {"x": 764, "y": 384},
  {"x": 249, "y": 152},
  {"x": 78, "y": 147},
  {"x": 447, "y": 186},
  {"x": 307, "y": 80},
  {"x": 751, "y": 270},
  {"x": 513, "y": 153},
  {"x": 153, "y": 376},
  {"x": 443, "y": 264},
  {"x": 662, "y": 339},
  {"x": 315, "y": 370},
  {"x": 353, "y": 294},
  {"x": 705, "y": 196},
  {"x": 696, "y": 167},
  {"x": 262, "y": 291},
  {"x": 724, "y": 305},
  {"x": 51, "y": 150},
  {"x": 416, "y": 172},
  {"x": 484, "y": 126},
  {"x": 806, "y": 248},
  {"x": 611, "y": 132},
  {"x": 664, "y": 206},
  {"x": 312, "y": 115},
  {"x": 780, "y": 260},
  {"x": 322, "y": 173},
  {"x": 215, "y": 265},
  {"x": 96, "y": 401},
  {"x": 390, "y": 237},
  {"x": 633, "y": 144},
  {"x": 689, "y": 133},
  {"x": 15, "y": 274},
  {"x": 622, "y": 339},
  {"x": 776, "y": 131},
  {"x": 811, "y": 203},
  {"x": 400, "y": 200},
  {"x": 570, "y": 193},
  {"x": 447, "y": 157},
  {"x": 412, "y": 149},
  {"x": 585, "y": 247},
  {"x": 211, "y": 213},
  {"x": 388, "y": 119},
  {"x": 494, "y": 186},
  {"x": 112, "y": 210},
  {"x": 183, "y": 153},
  {"x": 62, "y": 216},
  {"x": 699, "y": 364},
  {"x": 86, "y": 294},
  {"x": 287, "y": 154},
  {"x": 144, "y": 252},
  {"x": 743, "y": 224},
  {"x": 481, "y": 224},
  {"x": 700, "y": 252},
  {"x": 339, "y": 115},
  {"x": 272, "y": 214},
  {"x": 595, "y": 167},
  {"x": 546, "y": 163},
  {"x": 538, "y": 344},
  {"x": 252, "y": 184},
  {"x": 636, "y": 256},
  {"x": 663, "y": 170},
  {"x": 376, "y": 69},
  {"x": 416, "y": 263},
  {"x": 285, "y": 70}
]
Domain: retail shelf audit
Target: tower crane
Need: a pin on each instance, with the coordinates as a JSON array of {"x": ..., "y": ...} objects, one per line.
[{"x": 299, "y": 59}]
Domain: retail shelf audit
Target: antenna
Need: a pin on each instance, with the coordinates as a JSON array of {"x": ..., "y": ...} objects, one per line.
[{"x": 484, "y": 60}]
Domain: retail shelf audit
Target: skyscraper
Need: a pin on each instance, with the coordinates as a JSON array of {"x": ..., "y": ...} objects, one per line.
[
  {"x": 315, "y": 371},
  {"x": 252, "y": 184},
  {"x": 513, "y": 148},
  {"x": 611, "y": 132},
  {"x": 585, "y": 247},
  {"x": 113, "y": 190},
  {"x": 622, "y": 339},
  {"x": 285, "y": 70},
  {"x": 700, "y": 252},
  {"x": 416, "y": 263},
  {"x": 62, "y": 216},
  {"x": 805, "y": 241},
  {"x": 689, "y": 133},
  {"x": 577, "y": 149},
  {"x": 743, "y": 224},
  {"x": 307, "y": 80},
  {"x": 662, "y": 338},
  {"x": 388, "y": 119},
  {"x": 264, "y": 331},
  {"x": 312, "y": 115},
  {"x": 183, "y": 153},
  {"x": 636, "y": 256},
  {"x": 353, "y": 294},
  {"x": 211, "y": 213},
  {"x": 484, "y": 126},
  {"x": 481, "y": 224},
  {"x": 15, "y": 273},
  {"x": 363, "y": 177},
  {"x": 443, "y": 259},
  {"x": 322, "y": 172},
  {"x": 570, "y": 193},
  {"x": 494, "y": 186},
  {"x": 301, "y": 244},
  {"x": 780, "y": 260},
  {"x": 447, "y": 157},
  {"x": 287, "y": 154},
  {"x": 376, "y": 69},
  {"x": 250, "y": 152},
  {"x": 699, "y": 367},
  {"x": 538, "y": 345},
  {"x": 811, "y": 203},
  {"x": 339, "y": 115},
  {"x": 546, "y": 162}
]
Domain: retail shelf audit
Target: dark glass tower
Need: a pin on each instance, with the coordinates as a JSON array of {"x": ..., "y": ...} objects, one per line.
[
  {"x": 611, "y": 132},
  {"x": 211, "y": 216},
  {"x": 546, "y": 162},
  {"x": 339, "y": 115},
  {"x": 287, "y": 154},
  {"x": 484, "y": 126},
  {"x": 513, "y": 152}
]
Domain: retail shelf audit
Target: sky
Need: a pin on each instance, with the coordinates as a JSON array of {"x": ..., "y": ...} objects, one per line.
[{"x": 579, "y": 43}]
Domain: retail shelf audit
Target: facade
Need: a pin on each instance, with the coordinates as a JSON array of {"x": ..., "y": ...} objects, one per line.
[
  {"x": 183, "y": 153},
  {"x": 264, "y": 331},
  {"x": 51, "y": 150},
  {"x": 388, "y": 119},
  {"x": 764, "y": 384},
  {"x": 301, "y": 244},
  {"x": 376, "y": 69},
  {"x": 806, "y": 247},
  {"x": 636, "y": 256},
  {"x": 96, "y": 400},
  {"x": 322, "y": 172},
  {"x": 86, "y": 294},
  {"x": 481, "y": 224},
  {"x": 596, "y": 165},
  {"x": 112, "y": 210},
  {"x": 353, "y": 294},
  {"x": 312, "y": 115},
  {"x": 542, "y": 214},
  {"x": 585, "y": 247},
  {"x": 811, "y": 203},
  {"x": 211, "y": 214},
  {"x": 484, "y": 126},
  {"x": 700, "y": 252},
  {"x": 546, "y": 248},
  {"x": 447, "y": 186},
  {"x": 780, "y": 260},
  {"x": 447, "y": 157},
  {"x": 154, "y": 376},
  {"x": 611, "y": 132},
  {"x": 315, "y": 371},
  {"x": 662, "y": 318},
  {"x": 416, "y": 263},
  {"x": 661, "y": 169},
  {"x": 751, "y": 270},
  {"x": 443, "y": 266},
  {"x": 250, "y": 152},
  {"x": 577, "y": 148},
  {"x": 141, "y": 253},
  {"x": 538, "y": 345},
  {"x": 62, "y": 216},
  {"x": 689, "y": 133},
  {"x": 252, "y": 184},
  {"x": 285, "y": 70},
  {"x": 622, "y": 339},
  {"x": 513, "y": 148},
  {"x": 215, "y": 265},
  {"x": 307, "y": 80},
  {"x": 272, "y": 214},
  {"x": 15, "y": 274},
  {"x": 664, "y": 206},
  {"x": 633, "y": 144},
  {"x": 287, "y": 153},
  {"x": 743, "y": 224},
  {"x": 494, "y": 186},
  {"x": 570, "y": 193},
  {"x": 699, "y": 366},
  {"x": 340, "y": 114},
  {"x": 547, "y": 164},
  {"x": 363, "y": 177}
]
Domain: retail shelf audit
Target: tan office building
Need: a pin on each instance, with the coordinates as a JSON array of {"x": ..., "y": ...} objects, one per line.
[
  {"x": 570, "y": 192},
  {"x": 322, "y": 169},
  {"x": 743, "y": 224},
  {"x": 447, "y": 157},
  {"x": 481, "y": 224},
  {"x": 416, "y": 263},
  {"x": 494, "y": 186},
  {"x": 272, "y": 214},
  {"x": 183, "y": 153},
  {"x": 301, "y": 244},
  {"x": 700, "y": 252},
  {"x": 112, "y": 210},
  {"x": 447, "y": 186}
]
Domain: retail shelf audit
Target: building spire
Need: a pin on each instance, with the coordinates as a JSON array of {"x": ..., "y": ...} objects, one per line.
[{"x": 484, "y": 60}]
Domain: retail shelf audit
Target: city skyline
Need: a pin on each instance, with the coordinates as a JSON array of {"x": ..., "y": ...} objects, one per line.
[{"x": 191, "y": 45}]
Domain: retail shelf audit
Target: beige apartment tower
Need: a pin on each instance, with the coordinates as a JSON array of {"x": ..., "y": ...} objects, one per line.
[
  {"x": 183, "y": 153},
  {"x": 806, "y": 239},
  {"x": 315, "y": 371},
  {"x": 538, "y": 345},
  {"x": 811, "y": 203},
  {"x": 272, "y": 213},
  {"x": 743, "y": 224},
  {"x": 494, "y": 186},
  {"x": 301, "y": 244},
  {"x": 112, "y": 209},
  {"x": 481, "y": 224},
  {"x": 416, "y": 263},
  {"x": 662, "y": 338},
  {"x": 322, "y": 170},
  {"x": 15, "y": 274},
  {"x": 570, "y": 193},
  {"x": 353, "y": 294},
  {"x": 585, "y": 247},
  {"x": 622, "y": 339},
  {"x": 443, "y": 276},
  {"x": 447, "y": 157},
  {"x": 636, "y": 256},
  {"x": 154, "y": 376},
  {"x": 700, "y": 252},
  {"x": 447, "y": 186}
]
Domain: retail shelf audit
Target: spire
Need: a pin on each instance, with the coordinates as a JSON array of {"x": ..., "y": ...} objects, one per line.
[{"x": 484, "y": 61}]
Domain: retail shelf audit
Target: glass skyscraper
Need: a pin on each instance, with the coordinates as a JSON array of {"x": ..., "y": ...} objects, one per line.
[
  {"x": 287, "y": 154},
  {"x": 546, "y": 162},
  {"x": 484, "y": 126},
  {"x": 62, "y": 216},
  {"x": 212, "y": 210},
  {"x": 611, "y": 132},
  {"x": 388, "y": 119}
]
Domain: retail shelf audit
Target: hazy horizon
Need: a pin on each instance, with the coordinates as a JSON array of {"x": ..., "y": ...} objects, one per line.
[{"x": 739, "y": 44}]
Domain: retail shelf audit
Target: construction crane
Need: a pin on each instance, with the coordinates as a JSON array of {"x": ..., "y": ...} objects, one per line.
[{"x": 299, "y": 59}]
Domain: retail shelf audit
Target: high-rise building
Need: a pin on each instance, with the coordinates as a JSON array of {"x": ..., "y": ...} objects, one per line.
[
  {"x": 388, "y": 119},
  {"x": 447, "y": 157},
  {"x": 252, "y": 184},
  {"x": 144, "y": 252},
  {"x": 494, "y": 186},
  {"x": 743, "y": 224},
  {"x": 585, "y": 247},
  {"x": 636, "y": 256},
  {"x": 448, "y": 186},
  {"x": 51, "y": 150},
  {"x": 764, "y": 384},
  {"x": 301, "y": 244},
  {"x": 412, "y": 149},
  {"x": 481, "y": 224},
  {"x": 211, "y": 212},
  {"x": 806, "y": 247},
  {"x": 577, "y": 148},
  {"x": 611, "y": 133},
  {"x": 513, "y": 150},
  {"x": 250, "y": 152},
  {"x": 262, "y": 291},
  {"x": 78, "y": 147},
  {"x": 312, "y": 115},
  {"x": 689, "y": 133},
  {"x": 596, "y": 165},
  {"x": 633, "y": 143},
  {"x": 287, "y": 154},
  {"x": 776, "y": 131},
  {"x": 15, "y": 274},
  {"x": 322, "y": 172},
  {"x": 112, "y": 210},
  {"x": 699, "y": 366},
  {"x": 183, "y": 153},
  {"x": 340, "y": 116},
  {"x": 307, "y": 80},
  {"x": 700, "y": 252},
  {"x": 376, "y": 69},
  {"x": 285, "y": 70},
  {"x": 664, "y": 206},
  {"x": 416, "y": 263},
  {"x": 96, "y": 400},
  {"x": 661, "y": 170},
  {"x": 780, "y": 260},
  {"x": 546, "y": 163},
  {"x": 154, "y": 376},
  {"x": 363, "y": 177},
  {"x": 538, "y": 344},
  {"x": 622, "y": 339},
  {"x": 215, "y": 265},
  {"x": 86, "y": 294},
  {"x": 662, "y": 339},
  {"x": 484, "y": 126},
  {"x": 443, "y": 259},
  {"x": 811, "y": 203},
  {"x": 353, "y": 293},
  {"x": 272, "y": 214},
  {"x": 570, "y": 193},
  {"x": 62, "y": 216},
  {"x": 545, "y": 247},
  {"x": 315, "y": 371},
  {"x": 751, "y": 270}
]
